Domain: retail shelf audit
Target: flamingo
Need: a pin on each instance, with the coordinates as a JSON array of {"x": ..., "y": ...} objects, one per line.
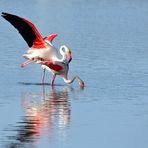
[
  {"x": 42, "y": 51},
  {"x": 57, "y": 67}
]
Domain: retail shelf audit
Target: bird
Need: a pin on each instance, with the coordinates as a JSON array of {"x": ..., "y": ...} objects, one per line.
[
  {"x": 42, "y": 51},
  {"x": 61, "y": 68}
]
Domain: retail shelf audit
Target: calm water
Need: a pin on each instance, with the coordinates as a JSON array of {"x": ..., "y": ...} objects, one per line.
[{"x": 109, "y": 43}]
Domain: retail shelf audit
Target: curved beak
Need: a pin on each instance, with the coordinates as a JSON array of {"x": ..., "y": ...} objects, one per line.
[{"x": 69, "y": 57}]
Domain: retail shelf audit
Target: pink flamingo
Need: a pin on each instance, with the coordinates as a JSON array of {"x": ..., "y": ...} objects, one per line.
[{"x": 42, "y": 51}]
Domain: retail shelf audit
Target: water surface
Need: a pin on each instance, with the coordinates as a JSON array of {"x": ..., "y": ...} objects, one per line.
[{"x": 109, "y": 44}]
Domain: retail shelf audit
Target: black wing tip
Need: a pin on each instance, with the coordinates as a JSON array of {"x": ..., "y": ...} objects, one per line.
[{"x": 4, "y": 14}]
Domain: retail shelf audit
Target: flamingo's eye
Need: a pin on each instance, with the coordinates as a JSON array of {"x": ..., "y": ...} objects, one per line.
[{"x": 63, "y": 49}]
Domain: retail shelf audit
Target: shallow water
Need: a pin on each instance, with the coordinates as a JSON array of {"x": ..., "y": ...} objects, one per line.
[{"x": 109, "y": 44}]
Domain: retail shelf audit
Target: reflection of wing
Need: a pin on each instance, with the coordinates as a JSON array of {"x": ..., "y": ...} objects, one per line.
[{"x": 26, "y": 29}]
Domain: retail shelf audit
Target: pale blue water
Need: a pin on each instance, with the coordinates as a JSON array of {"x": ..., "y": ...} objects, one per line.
[{"x": 109, "y": 43}]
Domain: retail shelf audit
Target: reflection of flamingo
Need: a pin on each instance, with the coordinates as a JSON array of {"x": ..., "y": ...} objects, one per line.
[
  {"x": 42, "y": 51},
  {"x": 43, "y": 111},
  {"x": 42, "y": 114}
]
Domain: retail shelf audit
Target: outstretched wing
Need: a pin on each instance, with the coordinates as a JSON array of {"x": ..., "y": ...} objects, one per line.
[
  {"x": 26, "y": 29},
  {"x": 50, "y": 38}
]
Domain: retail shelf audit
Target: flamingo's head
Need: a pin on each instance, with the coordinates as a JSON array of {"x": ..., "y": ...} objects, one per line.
[{"x": 67, "y": 53}]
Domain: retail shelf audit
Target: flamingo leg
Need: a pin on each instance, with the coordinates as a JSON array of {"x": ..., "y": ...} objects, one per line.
[
  {"x": 52, "y": 80},
  {"x": 26, "y": 63},
  {"x": 43, "y": 77}
]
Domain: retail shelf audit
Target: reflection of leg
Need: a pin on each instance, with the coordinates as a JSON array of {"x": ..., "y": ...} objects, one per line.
[
  {"x": 43, "y": 76},
  {"x": 43, "y": 82},
  {"x": 52, "y": 80}
]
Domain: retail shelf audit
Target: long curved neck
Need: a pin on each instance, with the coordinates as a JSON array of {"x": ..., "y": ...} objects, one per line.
[
  {"x": 68, "y": 81},
  {"x": 63, "y": 55}
]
